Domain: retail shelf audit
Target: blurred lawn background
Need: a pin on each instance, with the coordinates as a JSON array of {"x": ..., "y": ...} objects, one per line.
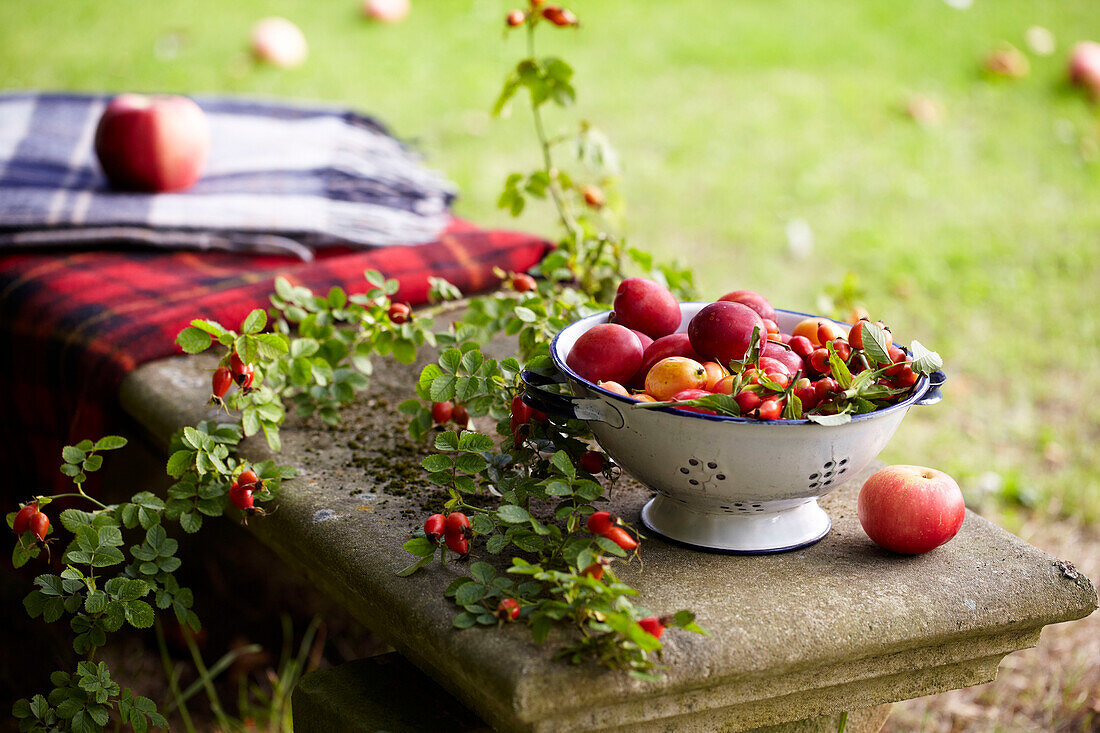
[{"x": 979, "y": 236}]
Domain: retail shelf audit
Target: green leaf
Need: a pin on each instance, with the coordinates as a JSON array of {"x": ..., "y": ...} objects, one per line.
[
  {"x": 139, "y": 614},
  {"x": 474, "y": 442},
  {"x": 193, "y": 340},
  {"x": 496, "y": 544},
  {"x": 110, "y": 442},
  {"x": 72, "y": 454},
  {"x": 437, "y": 462},
  {"x": 96, "y": 602},
  {"x": 875, "y": 344},
  {"x": 447, "y": 441},
  {"x": 464, "y": 620},
  {"x": 469, "y": 593},
  {"x": 72, "y": 519},
  {"x": 255, "y": 321},
  {"x": 564, "y": 464},
  {"x": 471, "y": 463},
  {"x": 924, "y": 360},
  {"x": 420, "y": 546},
  {"x": 450, "y": 360},
  {"x": 482, "y": 572},
  {"x": 191, "y": 522},
  {"x": 404, "y": 351},
  {"x": 410, "y": 569},
  {"x": 271, "y": 345},
  {"x": 513, "y": 514},
  {"x": 213, "y": 328},
  {"x": 92, "y": 463}
]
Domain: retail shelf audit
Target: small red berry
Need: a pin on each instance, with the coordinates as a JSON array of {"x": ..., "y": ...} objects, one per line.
[
  {"x": 906, "y": 377},
  {"x": 441, "y": 412},
  {"x": 591, "y": 461},
  {"x": 221, "y": 382},
  {"x": 622, "y": 538},
  {"x": 241, "y": 496},
  {"x": 559, "y": 16},
  {"x": 460, "y": 416},
  {"x": 747, "y": 401},
  {"x": 235, "y": 363},
  {"x": 599, "y": 523},
  {"x": 457, "y": 523},
  {"x": 522, "y": 282},
  {"x": 594, "y": 571},
  {"x": 244, "y": 379},
  {"x": 819, "y": 360},
  {"x": 508, "y": 609},
  {"x": 435, "y": 526},
  {"x": 399, "y": 312},
  {"x": 40, "y": 525},
  {"x": 652, "y": 626},
  {"x": 515, "y": 18},
  {"x": 23, "y": 518},
  {"x": 842, "y": 349},
  {"x": 801, "y": 346},
  {"x": 247, "y": 478},
  {"x": 457, "y": 543},
  {"x": 771, "y": 409},
  {"x": 593, "y": 197},
  {"x": 520, "y": 410}
]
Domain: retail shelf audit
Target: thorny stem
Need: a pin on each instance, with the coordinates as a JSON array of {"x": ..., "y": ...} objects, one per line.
[{"x": 556, "y": 194}]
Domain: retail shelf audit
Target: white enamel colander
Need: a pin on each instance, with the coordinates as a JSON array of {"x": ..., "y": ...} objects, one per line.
[{"x": 724, "y": 484}]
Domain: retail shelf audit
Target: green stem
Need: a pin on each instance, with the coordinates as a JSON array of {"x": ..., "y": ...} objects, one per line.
[
  {"x": 173, "y": 684},
  {"x": 206, "y": 678},
  {"x": 80, "y": 495},
  {"x": 556, "y": 193},
  {"x": 843, "y": 722}
]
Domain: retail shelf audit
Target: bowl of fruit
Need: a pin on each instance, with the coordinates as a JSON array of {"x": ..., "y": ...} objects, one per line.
[{"x": 739, "y": 416}]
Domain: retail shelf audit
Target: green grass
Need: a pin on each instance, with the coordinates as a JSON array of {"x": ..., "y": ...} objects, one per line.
[{"x": 980, "y": 236}]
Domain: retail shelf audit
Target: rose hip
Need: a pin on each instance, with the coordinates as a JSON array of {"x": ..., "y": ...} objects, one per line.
[
  {"x": 801, "y": 346},
  {"x": 434, "y": 527},
  {"x": 753, "y": 300},
  {"x": 652, "y": 626},
  {"x": 508, "y": 609},
  {"x": 771, "y": 409},
  {"x": 460, "y": 416},
  {"x": 39, "y": 524},
  {"x": 747, "y": 401},
  {"x": 622, "y": 538},
  {"x": 441, "y": 412},
  {"x": 591, "y": 461},
  {"x": 599, "y": 523},
  {"x": 522, "y": 282},
  {"x": 723, "y": 331},
  {"x": 399, "y": 312},
  {"x": 221, "y": 382}
]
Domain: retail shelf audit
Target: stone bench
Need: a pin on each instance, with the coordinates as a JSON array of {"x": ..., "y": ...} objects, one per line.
[{"x": 798, "y": 637}]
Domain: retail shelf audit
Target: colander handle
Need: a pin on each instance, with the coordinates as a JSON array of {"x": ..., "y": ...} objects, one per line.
[
  {"x": 569, "y": 408},
  {"x": 933, "y": 395}
]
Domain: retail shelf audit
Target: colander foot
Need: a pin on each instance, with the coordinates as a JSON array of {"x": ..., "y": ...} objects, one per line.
[{"x": 748, "y": 534}]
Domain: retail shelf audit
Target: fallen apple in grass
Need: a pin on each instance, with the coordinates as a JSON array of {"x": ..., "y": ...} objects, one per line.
[
  {"x": 386, "y": 11},
  {"x": 910, "y": 509},
  {"x": 1084, "y": 66},
  {"x": 279, "y": 42},
  {"x": 152, "y": 143}
]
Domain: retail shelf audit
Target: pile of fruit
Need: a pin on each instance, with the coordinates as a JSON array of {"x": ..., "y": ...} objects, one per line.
[{"x": 734, "y": 360}]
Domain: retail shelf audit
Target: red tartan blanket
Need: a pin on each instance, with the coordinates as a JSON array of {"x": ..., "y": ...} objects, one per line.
[{"x": 73, "y": 325}]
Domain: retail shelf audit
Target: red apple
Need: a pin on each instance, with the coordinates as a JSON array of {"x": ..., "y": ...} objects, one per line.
[
  {"x": 157, "y": 143},
  {"x": 279, "y": 42},
  {"x": 910, "y": 509},
  {"x": 387, "y": 11},
  {"x": 1084, "y": 66}
]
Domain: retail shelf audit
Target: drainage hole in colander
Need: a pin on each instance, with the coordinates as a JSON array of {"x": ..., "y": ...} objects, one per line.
[
  {"x": 842, "y": 461},
  {"x": 826, "y": 482},
  {"x": 683, "y": 470},
  {"x": 828, "y": 474},
  {"x": 829, "y": 464},
  {"x": 738, "y": 504},
  {"x": 814, "y": 476},
  {"x": 712, "y": 465},
  {"x": 693, "y": 462},
  {"x": 755, "y": 506},
  {"x": 721, "y": 477},
  {"x": 682, "y": 501},
  {"x": 813, "y": 485},
  {"x": 723, "y": 506},
  {"x": 693, "y": 482},
  {"x": 842, "y": 470}
]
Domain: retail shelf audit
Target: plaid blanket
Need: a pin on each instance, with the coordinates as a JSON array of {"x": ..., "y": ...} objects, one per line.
[
  {"x": 284, "y": 179},
  {"x": 73, "y": 324}
]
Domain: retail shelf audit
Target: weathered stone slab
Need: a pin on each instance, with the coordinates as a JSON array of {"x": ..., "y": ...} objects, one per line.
[{"x": 838, "y": 626}]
